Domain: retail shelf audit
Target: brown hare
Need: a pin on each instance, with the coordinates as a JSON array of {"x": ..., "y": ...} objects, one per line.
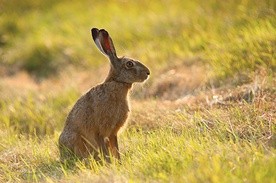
[{"x": 93, "y": 123}]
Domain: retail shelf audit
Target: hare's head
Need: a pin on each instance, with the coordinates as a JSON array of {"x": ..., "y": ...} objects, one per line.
[{"x": 123, "y": 69}]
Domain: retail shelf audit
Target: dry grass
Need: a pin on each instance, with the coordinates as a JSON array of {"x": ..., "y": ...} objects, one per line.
[{"x": 207, "y": 114}]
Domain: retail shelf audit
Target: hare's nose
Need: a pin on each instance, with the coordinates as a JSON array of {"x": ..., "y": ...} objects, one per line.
[{"x": 148, "y": 72}]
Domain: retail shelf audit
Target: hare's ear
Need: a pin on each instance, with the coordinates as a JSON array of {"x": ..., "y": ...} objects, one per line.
[{"x": 104, "y": 42}]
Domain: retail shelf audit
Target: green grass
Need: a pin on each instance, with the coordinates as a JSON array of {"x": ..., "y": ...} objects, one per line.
[
  {"x": 39, "y": 113},
  {"x": 193, "y": 153},
  {"x": 166, "y": 140},
  {"x": 220, "y": 144},
  {"x": 233, "y": 37}
]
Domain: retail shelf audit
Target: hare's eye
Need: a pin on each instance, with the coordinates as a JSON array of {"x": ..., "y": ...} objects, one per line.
[{"x": 129, "y": 64}]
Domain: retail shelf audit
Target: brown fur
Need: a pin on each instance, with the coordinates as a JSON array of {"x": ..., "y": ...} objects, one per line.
[{"x": 96, "y": 118}]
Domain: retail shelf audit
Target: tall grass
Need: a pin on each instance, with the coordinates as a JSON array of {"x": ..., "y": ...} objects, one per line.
[
  {"x": 35, "y": 114},
  {"x": 166, "y": 154}
]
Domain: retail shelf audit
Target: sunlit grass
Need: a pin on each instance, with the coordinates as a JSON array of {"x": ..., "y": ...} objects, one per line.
[
  {"x": 213, "y": 144},
  {"x": 233, "y": 37},
  {"x": 34, "y": 113},
  {"x": 166, "y": 140},
  {"x": 163, "y": 154}
]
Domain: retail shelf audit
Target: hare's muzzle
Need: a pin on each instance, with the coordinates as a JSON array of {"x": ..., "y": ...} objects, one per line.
[{"x": 146, "y": 74}]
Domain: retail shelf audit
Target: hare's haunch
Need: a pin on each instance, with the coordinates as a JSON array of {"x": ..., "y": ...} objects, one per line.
[{"x": 93, "y": 123}]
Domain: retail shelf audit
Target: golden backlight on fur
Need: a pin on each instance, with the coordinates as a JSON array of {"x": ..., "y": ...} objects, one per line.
[{"x": 93, "y": 124}]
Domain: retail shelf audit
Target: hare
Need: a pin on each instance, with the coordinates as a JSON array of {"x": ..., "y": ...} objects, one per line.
[{"x": 94, "y": 121}]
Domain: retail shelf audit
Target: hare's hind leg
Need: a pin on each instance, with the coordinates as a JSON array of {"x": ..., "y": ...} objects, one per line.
[
  {"x": 66, "y": 146},
  {"x": 114, "y": 148},
  {"x": 75, "y": 146}
]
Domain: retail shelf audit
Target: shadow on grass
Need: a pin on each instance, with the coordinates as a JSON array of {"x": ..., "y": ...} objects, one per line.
[
  {"x": 53, "y": 170},
  {"x": 57, "y": 170}
]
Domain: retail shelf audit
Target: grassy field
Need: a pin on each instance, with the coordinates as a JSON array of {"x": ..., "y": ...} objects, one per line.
[{"x": 207, "y": 114}]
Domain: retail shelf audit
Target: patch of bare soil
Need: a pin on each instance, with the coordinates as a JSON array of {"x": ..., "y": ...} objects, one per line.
[{"x": 179, "y": 81}]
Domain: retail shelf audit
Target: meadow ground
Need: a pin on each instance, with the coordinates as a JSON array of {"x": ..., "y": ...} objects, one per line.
[{"x": 207, "y": 114}]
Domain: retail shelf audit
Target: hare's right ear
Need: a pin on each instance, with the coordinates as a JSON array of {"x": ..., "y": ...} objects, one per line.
[{"x": 104, "y": 42}]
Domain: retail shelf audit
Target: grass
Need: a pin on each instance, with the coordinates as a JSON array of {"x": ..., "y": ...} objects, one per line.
[
  {"x": 185, "y": 149},
  {"x": 57, "y": 34},
  {"x": 207, "y": 114}
]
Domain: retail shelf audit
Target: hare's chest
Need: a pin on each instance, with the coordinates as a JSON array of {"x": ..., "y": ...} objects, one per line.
[
  {"x": 113, "y": 115},
  {"x": 110, "y": 107},
  {"x": 120, "y": 117},
  {"x": 119, "y": 111}
]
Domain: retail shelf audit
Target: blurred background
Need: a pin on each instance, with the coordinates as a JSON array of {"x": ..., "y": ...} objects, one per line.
[
  {"x": 43, "y": 38},
  {"x": 47, "y": 56}
]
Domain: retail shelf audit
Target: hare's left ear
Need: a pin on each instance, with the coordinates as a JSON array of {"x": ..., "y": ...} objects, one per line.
[{"x": 104, "y": 42}]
